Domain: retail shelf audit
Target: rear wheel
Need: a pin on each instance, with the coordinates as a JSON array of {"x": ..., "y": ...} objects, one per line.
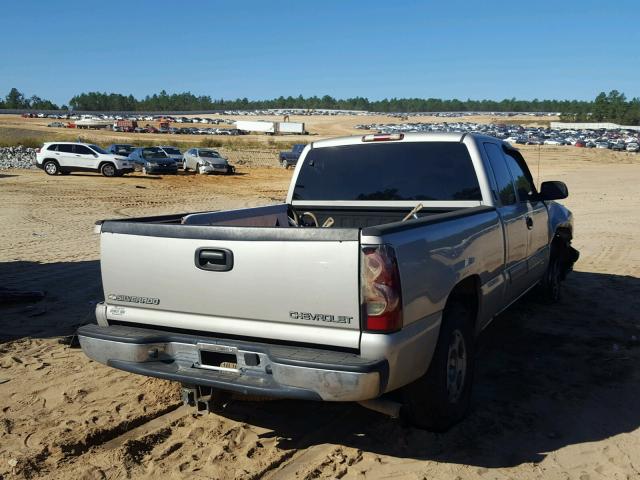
[
  {"x": 51, "y": 168},
  {"x": 108, "y": 170},
  {"x": 441, "y": 398},
  {"x": 284, "y": 164}
]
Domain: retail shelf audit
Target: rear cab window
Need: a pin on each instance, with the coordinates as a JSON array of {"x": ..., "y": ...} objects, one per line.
[{"x": 391, "y": 171}]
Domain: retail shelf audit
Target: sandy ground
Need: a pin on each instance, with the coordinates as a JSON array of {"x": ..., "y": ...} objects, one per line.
[{"x": 556, "y": 394}]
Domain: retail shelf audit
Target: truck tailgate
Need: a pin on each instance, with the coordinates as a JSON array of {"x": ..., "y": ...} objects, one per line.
[{"x": 278, "y": 284}]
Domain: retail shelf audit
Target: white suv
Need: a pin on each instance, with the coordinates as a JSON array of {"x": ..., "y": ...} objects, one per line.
[{"x": 67, "y": 157}]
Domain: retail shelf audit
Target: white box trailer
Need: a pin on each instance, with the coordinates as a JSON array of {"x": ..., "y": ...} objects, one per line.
[
  {"x": 273, "y": 128},
  {"x": 260, "y": 126},
  {"x": 291, "y": 127}
]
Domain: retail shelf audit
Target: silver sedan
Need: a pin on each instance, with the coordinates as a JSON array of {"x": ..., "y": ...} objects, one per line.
[{"x": 206, "y": 160}]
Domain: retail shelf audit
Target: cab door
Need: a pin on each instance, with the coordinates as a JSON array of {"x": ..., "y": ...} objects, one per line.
[
  {"x": 514, "y": 218},
  {"x": 537, "y": 220}
]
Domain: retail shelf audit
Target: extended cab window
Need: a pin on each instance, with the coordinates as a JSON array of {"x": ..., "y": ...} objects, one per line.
[
  {"x": 524, "y": 187},
  {"x": 390, "y": 171},
  {"x": 501, "y": 173}
]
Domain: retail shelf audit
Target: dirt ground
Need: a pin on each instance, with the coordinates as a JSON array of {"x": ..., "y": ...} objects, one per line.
[{"x": 556, "y": 392}]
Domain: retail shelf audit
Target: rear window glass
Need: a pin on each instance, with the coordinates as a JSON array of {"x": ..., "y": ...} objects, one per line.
[{"x": 391, "y": 171}]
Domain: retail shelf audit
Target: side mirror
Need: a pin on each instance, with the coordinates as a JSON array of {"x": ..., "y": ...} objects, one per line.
[{"x": 553, "y": 190}]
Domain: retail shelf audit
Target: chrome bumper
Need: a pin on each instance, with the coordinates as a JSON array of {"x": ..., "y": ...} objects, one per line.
[{"x": 259, "y": 369}]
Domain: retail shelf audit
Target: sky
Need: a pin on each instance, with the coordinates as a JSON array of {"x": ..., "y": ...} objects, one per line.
[{"x": 562, "y": 49}]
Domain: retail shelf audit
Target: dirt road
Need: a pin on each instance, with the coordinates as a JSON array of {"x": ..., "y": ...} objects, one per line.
[{"x": 556, "y": 391}]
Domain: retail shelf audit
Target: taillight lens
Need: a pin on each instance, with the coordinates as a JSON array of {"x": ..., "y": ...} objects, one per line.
[
  {"x": 38, "y": 150},
  {"x": 381, "y": 293}
]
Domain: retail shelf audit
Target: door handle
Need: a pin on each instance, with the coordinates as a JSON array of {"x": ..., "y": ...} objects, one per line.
[
  {"x": 529, "y": 222},
  {"x": 214, "y": 259}
]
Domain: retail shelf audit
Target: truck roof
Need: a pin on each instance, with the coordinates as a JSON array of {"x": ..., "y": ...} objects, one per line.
[{"x": 407, "y": 137}]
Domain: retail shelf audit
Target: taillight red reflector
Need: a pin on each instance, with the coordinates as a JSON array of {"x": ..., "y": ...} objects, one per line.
[
  {"x": 390, "y": 322},
  {"x": 382, "y": 137}
]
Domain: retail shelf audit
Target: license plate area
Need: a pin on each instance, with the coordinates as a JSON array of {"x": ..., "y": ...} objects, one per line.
[{"x": 218, "y": 357}]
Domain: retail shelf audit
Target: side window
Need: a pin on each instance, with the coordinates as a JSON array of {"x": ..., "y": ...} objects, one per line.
[
  {"x": 53, "y": 147},
  {"x": 65, "y": 148},
  {"x": 82, "y": 150},
  {"x": 502, "y": 175},
  {"x": 520, "y": 178}
]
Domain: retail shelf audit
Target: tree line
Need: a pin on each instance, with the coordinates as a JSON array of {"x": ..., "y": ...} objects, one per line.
[
  {"x": 17, "y": 100},
  {"x": 611, "y": 107}
]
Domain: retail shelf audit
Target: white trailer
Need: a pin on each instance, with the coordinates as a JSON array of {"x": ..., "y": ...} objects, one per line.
[
  {"x": 268, "y": 127},
  {"x": 291, "y": 127},
  {"x": 260, "y": 126}
]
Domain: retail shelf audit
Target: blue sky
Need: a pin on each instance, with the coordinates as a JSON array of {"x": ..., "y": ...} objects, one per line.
[{"x": 228, "y": 49}]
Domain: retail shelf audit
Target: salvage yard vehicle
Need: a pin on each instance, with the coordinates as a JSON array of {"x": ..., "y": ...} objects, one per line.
[
  {"x": 290, "y": 158},
  {"x": 206, "y": 160},
  {"x": 123, "y": 149},
  {"x": 152, "y": 160},
  {"x": 391, "y": 276},
  {"x": 173, "y": 152},
  {"x": 67, "y": 157}
]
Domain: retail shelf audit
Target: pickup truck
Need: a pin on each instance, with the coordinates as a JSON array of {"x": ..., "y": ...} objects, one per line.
[
  {"x": 290, "y": 158},
  {"x": 391, "y": 253}
]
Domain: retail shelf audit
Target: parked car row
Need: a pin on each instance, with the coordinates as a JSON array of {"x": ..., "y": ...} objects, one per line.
[
  {"x": 119, "y": 159},
  {"x": 614, "y": 139}
]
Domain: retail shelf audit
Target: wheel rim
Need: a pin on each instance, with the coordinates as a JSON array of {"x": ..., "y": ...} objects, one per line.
[
  {"x": 144, "y": 170},
  {"x": 456, "y": 366},
  {"x": 108, "y": 170},
  {"x": 50, "y": 168}
]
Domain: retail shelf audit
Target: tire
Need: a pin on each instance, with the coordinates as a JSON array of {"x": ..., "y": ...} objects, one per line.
[
  {"x": 284, "y": 164},
  {"x": 144, "y": 171},
  {"x": 552, "y": 281},
  {"x": 108, "y": 170},
  {"x": 442, "y": 396},
  {"x": 51, "y": 168}
]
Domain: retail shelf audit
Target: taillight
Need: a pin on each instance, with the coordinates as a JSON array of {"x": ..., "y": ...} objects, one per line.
[
  {"x": 381, "y": 293},
  {"x": 38, "y": 150}
]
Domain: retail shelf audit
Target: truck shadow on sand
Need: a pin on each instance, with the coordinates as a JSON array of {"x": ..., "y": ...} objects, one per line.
[
  {"x": 71, "y": 291},
  {"x": 547, "y": 377}
]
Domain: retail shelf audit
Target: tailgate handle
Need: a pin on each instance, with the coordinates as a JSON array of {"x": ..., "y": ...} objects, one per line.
[{"x": 214, "y": 259}]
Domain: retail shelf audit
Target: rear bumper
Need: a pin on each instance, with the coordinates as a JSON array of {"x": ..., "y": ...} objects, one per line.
[{"x": 260, "y": 369}]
